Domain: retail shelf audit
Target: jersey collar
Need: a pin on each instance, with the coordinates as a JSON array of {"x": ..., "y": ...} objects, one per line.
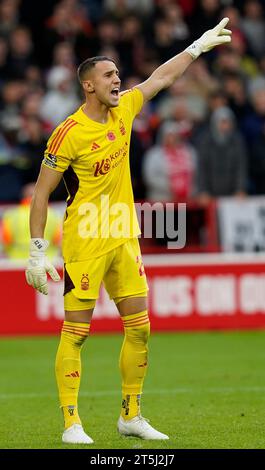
[{"x": 83, "y": 119}]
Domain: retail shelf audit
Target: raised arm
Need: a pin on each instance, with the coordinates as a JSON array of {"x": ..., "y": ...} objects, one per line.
[
  {"x": 38, "y": 264},
  {"x": 168, "y": 72}
]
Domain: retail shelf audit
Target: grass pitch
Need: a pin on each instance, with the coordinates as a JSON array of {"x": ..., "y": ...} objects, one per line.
[{"x": 205, "y": 390}]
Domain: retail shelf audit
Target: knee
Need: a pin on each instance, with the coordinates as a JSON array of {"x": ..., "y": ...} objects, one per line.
[
  {"x": 75, "y": 334},
  {"x": 138, "y": 334}
]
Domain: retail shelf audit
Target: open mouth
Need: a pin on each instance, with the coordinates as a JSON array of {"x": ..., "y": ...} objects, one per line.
[{"x": 115, "y": 92}]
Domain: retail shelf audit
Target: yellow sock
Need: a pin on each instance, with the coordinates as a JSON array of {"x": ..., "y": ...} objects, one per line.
[
  {"x": 133, "y": 362},
  {"x": 68, "y": 369}
]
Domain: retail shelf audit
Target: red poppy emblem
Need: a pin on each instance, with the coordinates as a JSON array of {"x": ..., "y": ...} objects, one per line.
[{"x": 111, "y": 136}]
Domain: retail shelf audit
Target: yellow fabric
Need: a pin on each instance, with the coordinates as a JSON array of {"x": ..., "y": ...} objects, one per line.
[
  {"x": 121, "y": 270},
  {"x": 133, "y": 362},
  {"x": 72, "y": 303},
  {"x": 130, "y": 406},
  {"x": 68, "y": 369},
  {"x": 95, "y": 160},
  {"x": 16, "y": 222}
]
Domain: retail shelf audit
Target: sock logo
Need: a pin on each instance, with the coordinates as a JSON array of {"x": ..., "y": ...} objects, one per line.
[
  {"x": 73, "y": 374},
  {"x": 125, "y": 404},
  {"x": 71, "y": 410}
]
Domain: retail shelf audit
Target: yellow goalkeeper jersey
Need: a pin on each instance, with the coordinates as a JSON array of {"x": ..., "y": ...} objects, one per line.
[{"x": 94, "y": 160}]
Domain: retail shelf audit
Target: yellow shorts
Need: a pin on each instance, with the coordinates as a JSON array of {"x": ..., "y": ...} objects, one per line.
[{"x": 121, "y": 270}]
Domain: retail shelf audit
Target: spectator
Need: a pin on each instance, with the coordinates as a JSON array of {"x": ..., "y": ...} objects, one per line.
[
  {"x": 222, "y": 158},
  {"x": 217, "y": 99},
  {"x": 21, "y": 52},
  {"x": 178, "y": 110},
  {"x": 235, "y": 90},
  {"x": 68, "y": 22},
  {"x": 130, "y": 43},
  {"x": 31, "y": 104},
  {"x": 33, "y": 146},
  {"x": 34, "y": 78},
  {"x": 13, "y": 92},
  {"x": 64, "y": 55},
  {"x": 254, "y": 27},
  {"x": 61, "y": 98},
  {"x": 120, "y": 8},
  {"x": 173, "y": 14},
  {"x": 94, "y": 9},
  {"x": 205, "y": 15},
  {"x": 170, "y": 166},
  {"x": 108, "y": 35},
  {"x": 163, "y": 41},
  {"x": 12, "y": 160},
  {"x": 254, "y": 121},
  {"x": 9, "y": 16}
]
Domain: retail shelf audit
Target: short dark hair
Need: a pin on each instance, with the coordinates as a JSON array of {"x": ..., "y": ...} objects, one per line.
[{"x": 88, "y": 64}]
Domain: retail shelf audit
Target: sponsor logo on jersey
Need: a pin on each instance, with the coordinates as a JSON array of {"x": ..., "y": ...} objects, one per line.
[{"x": 104, "y": 166}]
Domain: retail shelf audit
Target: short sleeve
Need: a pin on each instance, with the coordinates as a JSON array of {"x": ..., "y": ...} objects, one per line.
[
  {"x": 133, "y": 99},
  {"x": 59, "y": 152}
]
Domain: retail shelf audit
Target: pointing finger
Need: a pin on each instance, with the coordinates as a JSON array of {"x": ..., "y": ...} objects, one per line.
[{"x": 221, "y": 25}]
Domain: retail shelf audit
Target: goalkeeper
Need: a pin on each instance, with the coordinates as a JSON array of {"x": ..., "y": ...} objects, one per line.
[{"x": 90, "y": 150}]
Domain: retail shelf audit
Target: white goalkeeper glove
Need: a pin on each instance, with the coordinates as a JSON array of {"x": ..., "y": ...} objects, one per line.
[
  {"x": 39, "y": 265},
  {"x": 213, "y": 37}
]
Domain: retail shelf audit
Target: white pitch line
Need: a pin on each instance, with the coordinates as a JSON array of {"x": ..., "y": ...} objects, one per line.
[{"x": 105, "y": 393}]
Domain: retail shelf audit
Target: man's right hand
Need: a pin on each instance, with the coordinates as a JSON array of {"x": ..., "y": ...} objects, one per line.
[{"x": 39, "y": 265}]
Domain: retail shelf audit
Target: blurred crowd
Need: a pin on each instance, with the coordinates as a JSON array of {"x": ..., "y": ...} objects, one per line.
[{"x": 202, "y": 138}]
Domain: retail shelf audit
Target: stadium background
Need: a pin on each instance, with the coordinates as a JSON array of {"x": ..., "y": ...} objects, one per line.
[{"x": 213, "y": 122}]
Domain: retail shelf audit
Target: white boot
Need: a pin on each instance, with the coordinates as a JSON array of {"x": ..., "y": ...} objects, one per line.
[
  {"x": 76, "y": 435},
  {"x": 139, "y": 427}
]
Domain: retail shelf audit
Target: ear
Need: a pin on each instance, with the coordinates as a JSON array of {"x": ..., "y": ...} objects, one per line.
[{"x": 88, "y": 86}]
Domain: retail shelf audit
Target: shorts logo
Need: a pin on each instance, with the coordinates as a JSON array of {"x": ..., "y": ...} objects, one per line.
[
  {"x": 84, "y": 282},
  {"x": 111, "y": 136},
  {"x": 141, "y": 265}
]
